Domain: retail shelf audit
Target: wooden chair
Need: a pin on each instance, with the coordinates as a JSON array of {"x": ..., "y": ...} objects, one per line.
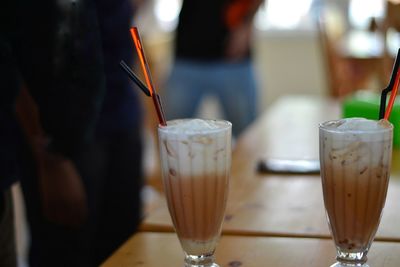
[
  {"x": 391, "y": 22},
  {"x": 337, "y": 71},
  {"x": 345, "y": 73}
]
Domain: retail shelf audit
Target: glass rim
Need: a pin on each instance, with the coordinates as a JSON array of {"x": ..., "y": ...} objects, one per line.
[
  {"x": 225, "y": 125},
  {"x": 323, "y": 126}
]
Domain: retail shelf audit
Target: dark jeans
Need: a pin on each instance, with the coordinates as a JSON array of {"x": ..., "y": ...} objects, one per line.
[
  {"x": 112, "y": 172},
  {"x": 8, "y": 257}
]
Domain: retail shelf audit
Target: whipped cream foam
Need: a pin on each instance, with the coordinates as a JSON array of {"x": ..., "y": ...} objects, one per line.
[
  {"x": 356, "y": 140},
  {"x": 195, "y": 147},
  {"x": 357, "y": 124},
  {"x": 194, "y": 126}
]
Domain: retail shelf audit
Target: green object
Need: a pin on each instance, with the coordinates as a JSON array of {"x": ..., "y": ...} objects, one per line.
[{"x": 366, "y": 104}]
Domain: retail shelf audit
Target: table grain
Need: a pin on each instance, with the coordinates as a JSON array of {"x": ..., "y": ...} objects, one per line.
[{"x": 288, "y": 205}]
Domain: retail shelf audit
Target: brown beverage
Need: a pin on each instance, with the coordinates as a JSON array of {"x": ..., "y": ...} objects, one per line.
[
  {"x": 355, "y": 159},
  {"x": 196, "y": 158}
]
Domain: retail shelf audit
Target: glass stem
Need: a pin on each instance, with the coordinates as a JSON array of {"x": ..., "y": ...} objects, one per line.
[
  {"x": 358, "y": 259},
  {"x": 207, "y": 260}
]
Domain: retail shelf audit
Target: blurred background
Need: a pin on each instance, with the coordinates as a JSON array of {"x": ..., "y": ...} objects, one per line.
[
  {"x": 317, "y": 47},
  {"x": 289, "y": 50}
]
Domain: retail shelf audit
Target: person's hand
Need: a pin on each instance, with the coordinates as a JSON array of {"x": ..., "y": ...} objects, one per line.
[
  {"x": 62, "y": 191},
  {"x": 238, "y": 42}
]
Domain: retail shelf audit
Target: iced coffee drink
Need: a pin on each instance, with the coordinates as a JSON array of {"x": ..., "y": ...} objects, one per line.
[
  {"x": 195, "y": 160},
  {"x": 355, "y": 156}
]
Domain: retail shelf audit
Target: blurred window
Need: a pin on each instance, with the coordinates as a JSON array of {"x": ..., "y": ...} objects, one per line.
[
  {"x": 362, "y": 11},
  {"x": 284, "y": 15},
  {"x": 167, "y": 12}
]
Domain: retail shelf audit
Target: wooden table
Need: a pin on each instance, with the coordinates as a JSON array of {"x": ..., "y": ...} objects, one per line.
[
  {"x": 272, "y": 219},
  {"x": 163, "y": 249},
  {"x": 264, "y": 204}
]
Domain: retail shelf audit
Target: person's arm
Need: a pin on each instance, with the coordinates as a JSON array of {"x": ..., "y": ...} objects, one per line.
[
  {"x": 241, "y": 12},
  {"x": 60, "y": 59},
  {"x": 63, "y": 197},
  {"x": 239, "y": 21}
]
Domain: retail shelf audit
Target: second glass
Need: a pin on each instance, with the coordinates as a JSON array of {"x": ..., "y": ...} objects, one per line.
[
  {"x": 195, "y": 161},
  {"x": 355, "y": 156}
]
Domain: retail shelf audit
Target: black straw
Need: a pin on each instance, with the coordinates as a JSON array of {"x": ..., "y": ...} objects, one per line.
[
  {"x": 389, "y": 88},
  {"x": 134, "y": 78}
]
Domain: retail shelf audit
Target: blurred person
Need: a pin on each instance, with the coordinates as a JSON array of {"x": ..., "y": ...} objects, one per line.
[
  {"x": 213, "y": 57},
  {"x": 113, "y": 162},
  {"x": 15, "y": 60},
  {"x": 79, "y": 160},
  {"x": 8, "y": 255},
  {"x": 8, "y": 173},
  {"x": 60, "y": 75}
]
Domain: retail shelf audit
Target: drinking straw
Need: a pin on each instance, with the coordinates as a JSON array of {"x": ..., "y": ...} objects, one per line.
[
  {"x": 134, "y": 78},
  {"x": 392, "y": 87},
  {"x": 392, "y": 96},
  {"x": 147, "y": 75}
]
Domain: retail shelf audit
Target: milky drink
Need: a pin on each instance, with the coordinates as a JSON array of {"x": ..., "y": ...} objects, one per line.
[
  {"x": 196, "y": 158},
  {"x": 355, "y": 164}
]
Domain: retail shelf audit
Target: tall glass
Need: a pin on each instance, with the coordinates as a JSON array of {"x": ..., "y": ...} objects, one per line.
[
  {"x": 355, "y": 156},
  {"x": 195, "y": 161}
]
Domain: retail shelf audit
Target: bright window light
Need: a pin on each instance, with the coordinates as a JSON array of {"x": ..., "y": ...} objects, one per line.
[
  {"x": 361, "y": 12},
  {"x": 167, "y": 12},
  {"x": 282, "y": 14}
]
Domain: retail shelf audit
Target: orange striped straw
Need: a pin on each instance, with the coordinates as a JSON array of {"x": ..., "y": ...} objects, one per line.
[
  {"x": 392, "y": 96},
  {"x": 147, "y": 75},
  {"x": 384, "y": 113}
]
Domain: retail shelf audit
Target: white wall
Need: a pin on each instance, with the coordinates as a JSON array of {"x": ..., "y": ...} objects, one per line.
[{"x": 288, "y": 62}]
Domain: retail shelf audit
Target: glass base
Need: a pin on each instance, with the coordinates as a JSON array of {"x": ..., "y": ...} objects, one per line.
[
  {"x": 338, "y": 264},
  {"x": 200, "y": 261},
  {"x": 212, "y": 265},
  {"x": 350, "y": 259}
]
